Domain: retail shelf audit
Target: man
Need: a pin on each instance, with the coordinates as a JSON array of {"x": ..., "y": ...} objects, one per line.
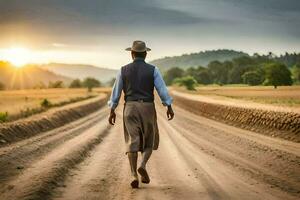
[{"x": 137, "y": 80}]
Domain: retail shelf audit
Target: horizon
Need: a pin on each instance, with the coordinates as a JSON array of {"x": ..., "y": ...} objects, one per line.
[
  {"x": 129, "y": 60},
  {"x": 97, "y": 32}
]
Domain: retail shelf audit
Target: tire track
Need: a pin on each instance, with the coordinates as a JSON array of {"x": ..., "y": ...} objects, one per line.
[
  {"x": 93, "y": 178},
  {"x": 197, "y": 159},
  {"x": 14, "y": 159},
  {"x": 38, "y": 181},
  {"x": 276, "y": 168}
]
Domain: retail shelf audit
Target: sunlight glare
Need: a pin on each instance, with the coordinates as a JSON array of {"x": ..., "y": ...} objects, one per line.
[{"x": 18, "y": 56}]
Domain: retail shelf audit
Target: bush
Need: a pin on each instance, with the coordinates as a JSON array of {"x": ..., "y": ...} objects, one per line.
[
  {"x": 46, "y": 103},
  {"x": 252, "y": 78},
  {"x": 3, "y": 116},
  {"x": 172, "y": 74},
  {"x": 76, "y": 83},
  {"x": 188, "y": 81},
  {"x": 201, "y": 74},
  {"x": 56, "y": 84},
  {"x": 277, "y": 74},
  {"x": 90, "y": 83}
]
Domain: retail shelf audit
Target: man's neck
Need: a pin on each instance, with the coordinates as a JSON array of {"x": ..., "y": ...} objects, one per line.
[{"x": 138, "y": 59}]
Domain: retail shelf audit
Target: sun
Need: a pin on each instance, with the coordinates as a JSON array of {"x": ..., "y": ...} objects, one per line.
[{"x": 18, "y": 56}]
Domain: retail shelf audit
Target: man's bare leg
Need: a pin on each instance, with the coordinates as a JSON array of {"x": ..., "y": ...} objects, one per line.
[
  {"x": 133, "y": 156},
  {"x": 142, "y": 169}
]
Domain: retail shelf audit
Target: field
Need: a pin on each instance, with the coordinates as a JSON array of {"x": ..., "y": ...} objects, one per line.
[
  {"x": 15, "y": 102},
  {"x": 54, "y": 157},
  {"x": 282, "y": 96}
]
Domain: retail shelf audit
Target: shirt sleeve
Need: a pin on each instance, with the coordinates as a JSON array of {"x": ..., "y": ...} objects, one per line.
[
  {"x": 161, "y": 88},
  {"x": 116, "y": 91}
]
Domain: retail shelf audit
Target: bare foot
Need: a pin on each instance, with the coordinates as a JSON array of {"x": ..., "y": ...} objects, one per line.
[
  {"x": 134, "y": 182},
  {"x": 145, "y": 177}
]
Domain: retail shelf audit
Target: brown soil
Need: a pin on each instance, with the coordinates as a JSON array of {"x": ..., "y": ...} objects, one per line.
[
  {"x": 56, "y": 117},
  {"x": 256, "y": 117},
  {"x": 198, "y": 158}
]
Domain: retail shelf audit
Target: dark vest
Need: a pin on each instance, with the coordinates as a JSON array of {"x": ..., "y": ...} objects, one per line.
[{"x": 138, "y": 81}]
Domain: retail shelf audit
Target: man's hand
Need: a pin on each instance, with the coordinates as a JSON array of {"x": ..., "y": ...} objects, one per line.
[
  {"x": 112, "y": 117},
  {"x": 170, "y": 113}
]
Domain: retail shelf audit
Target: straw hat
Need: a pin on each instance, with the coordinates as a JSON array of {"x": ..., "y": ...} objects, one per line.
[{"x": 138, "y": 46}]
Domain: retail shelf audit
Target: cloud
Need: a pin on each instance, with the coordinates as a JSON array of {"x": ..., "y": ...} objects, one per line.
[
  {"x": 110, "y": 22},
  {"x": 97, "y": 16}
]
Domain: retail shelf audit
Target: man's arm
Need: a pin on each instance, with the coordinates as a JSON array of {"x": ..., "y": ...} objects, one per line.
[
  {"x": 162, "y": 91},
  {"x": 115, "y": 97}
]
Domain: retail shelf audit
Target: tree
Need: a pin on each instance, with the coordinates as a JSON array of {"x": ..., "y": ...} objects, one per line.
[
  {"x": 200, "y": 74},
  {"x": 172, "y": 74},
  {"x": 296, "y": 73},
  {"x": 56, "y": 84},
  {"x": 240, "y": 66},
  {"x": 76, "y": 83},
  {"x": 188, "y": 81},
  {"x": 90, "y": 83},
  {"x": 203, "y": 77},
  {"x": 277, "y": 74},
  {"x": 219, "y": 71},
  {"x": 215, "y": 69},
  {"x": 252, "y": 78},
  {"x": 2, "y": 86}
]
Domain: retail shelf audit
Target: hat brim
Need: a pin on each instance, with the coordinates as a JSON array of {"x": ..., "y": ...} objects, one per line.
[{"x": 130, "y": 49}]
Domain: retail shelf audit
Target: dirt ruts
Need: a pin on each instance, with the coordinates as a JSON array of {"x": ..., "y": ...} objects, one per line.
[
  {"x": 198, "y": 158},
  {"x": 24, "y": 128},
  {"x": 284, "y": 125}
]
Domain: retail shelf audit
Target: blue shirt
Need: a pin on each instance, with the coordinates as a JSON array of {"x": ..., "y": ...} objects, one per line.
[{"x": 159, "y": 85}]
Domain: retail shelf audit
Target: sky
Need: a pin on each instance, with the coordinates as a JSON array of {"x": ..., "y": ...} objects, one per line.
[{"x": 97, "y": 31}]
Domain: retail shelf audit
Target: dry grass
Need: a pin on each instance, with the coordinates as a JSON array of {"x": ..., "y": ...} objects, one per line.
[
  {"x": 282, "y": 96},
  {"x": 16, "y": 101}
]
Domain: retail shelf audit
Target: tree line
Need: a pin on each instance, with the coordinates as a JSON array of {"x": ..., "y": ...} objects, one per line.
[
  {"x": 88, "y": 83},
  {"x": 251, "y": 70}
]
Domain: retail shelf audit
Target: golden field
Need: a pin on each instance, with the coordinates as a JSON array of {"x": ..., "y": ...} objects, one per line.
[
  {"x": 282, "y": 96},
  {"x": 16, "y": 101}
]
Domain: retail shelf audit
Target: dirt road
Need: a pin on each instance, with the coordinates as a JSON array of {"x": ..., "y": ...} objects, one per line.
[{"x": 197, "y": 159}]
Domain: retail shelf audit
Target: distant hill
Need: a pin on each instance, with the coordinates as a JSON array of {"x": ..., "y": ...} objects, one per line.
[
  {"x": 202, "y": 58},
  {"x": 81, "y": 71},
  {"x": 29, "y": 76}
]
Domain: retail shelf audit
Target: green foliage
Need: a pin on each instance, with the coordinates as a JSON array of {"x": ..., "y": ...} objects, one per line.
[
  {"x": 202, "y": 58},
  {"x": 240, "y": 66},
  {"x": 245, "y": 69},
  {"x": 76, "y": 83},
  {"x": 219, "y": 71},
  {"x": 296, "y": 73},
  {"x": 289, "y": 59},
  {"x": 90, "y": 83},
  {"x": 46, "y": 103},
  {"x": 188, "y": 81},
  {"x": 2, "y": 86},
  {"x": 3, "y": 116},
  {"x": 277, "y": 74},
  {"x": 253, "y": 78},
  {"x": 172, "y": 74},
  {"x": 56, "y": 84},
  {"x": 200, "y": 74}
]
